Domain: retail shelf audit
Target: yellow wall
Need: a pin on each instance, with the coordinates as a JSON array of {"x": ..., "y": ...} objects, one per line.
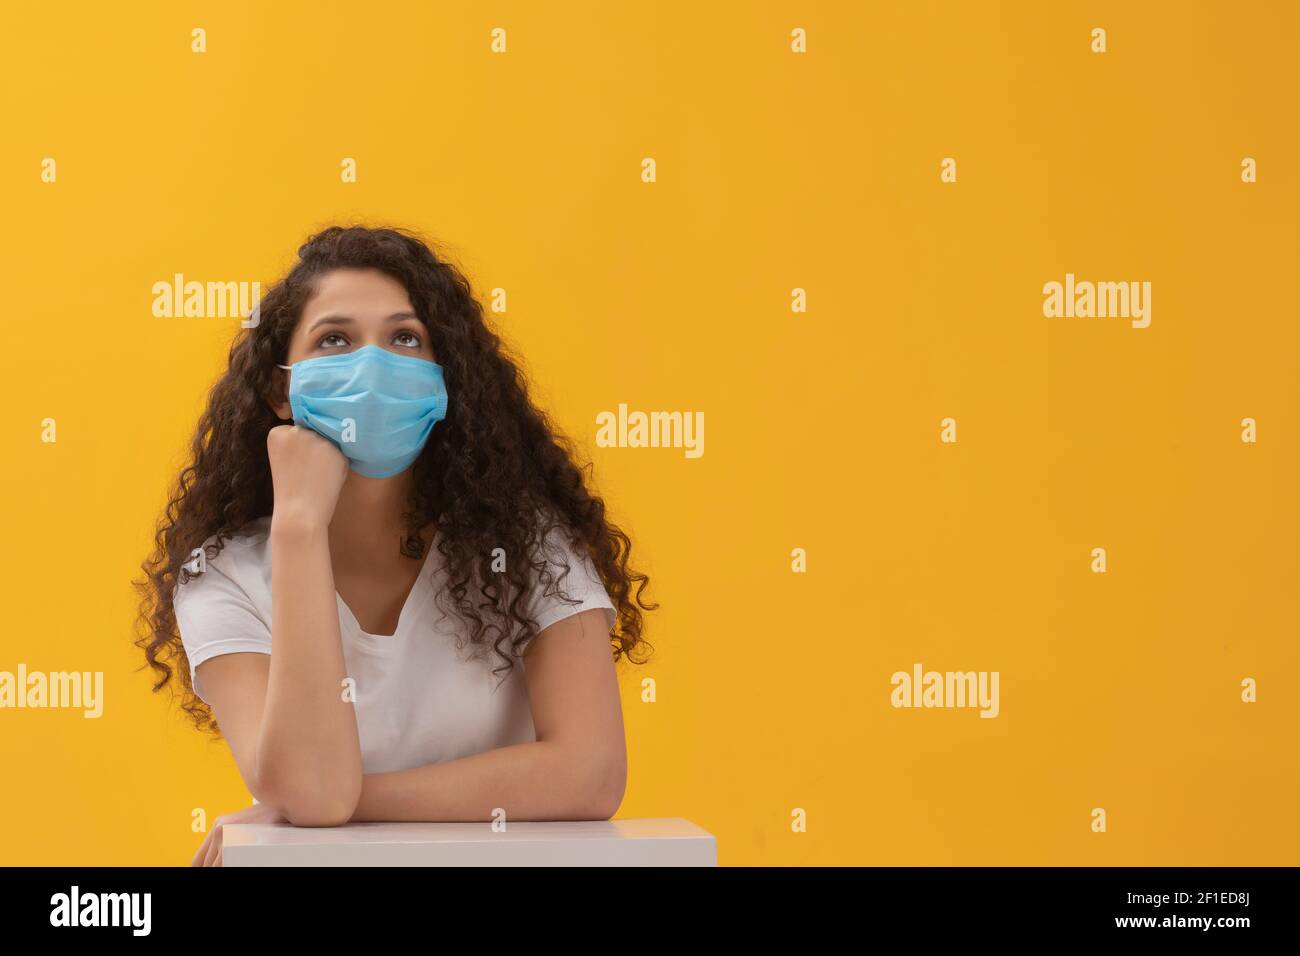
[{"x": 776, "y": 171}]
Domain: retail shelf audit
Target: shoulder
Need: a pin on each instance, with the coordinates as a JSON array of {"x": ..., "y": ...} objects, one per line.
[
  {"x": 553, "y": 536},
  {"x": 557, "y": 550},
  {"x": 249, "y": 546},
  {"x": 223, "y": 605},
  {"x": 241, "y": 561},
  {"x": 567, "y": 580}
]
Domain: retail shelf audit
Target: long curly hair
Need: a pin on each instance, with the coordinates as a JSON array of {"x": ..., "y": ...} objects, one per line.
[{"x": 488, "y": 470}]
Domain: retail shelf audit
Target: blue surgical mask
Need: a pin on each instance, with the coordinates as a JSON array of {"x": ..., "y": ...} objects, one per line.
[{"x": 377, "y": 406}]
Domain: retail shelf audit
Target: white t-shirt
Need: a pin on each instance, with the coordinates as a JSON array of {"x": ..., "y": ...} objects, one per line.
[{"x": 418, "y": 699}]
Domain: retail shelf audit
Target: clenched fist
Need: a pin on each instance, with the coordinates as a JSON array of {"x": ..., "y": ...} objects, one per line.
[{"x": 307, "y": 473}]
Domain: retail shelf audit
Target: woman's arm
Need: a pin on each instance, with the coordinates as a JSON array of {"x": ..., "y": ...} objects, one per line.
[
  {"x": 308, "y": 746},
  {"x": 575, "y": 770},
  {"x": 290, "y": 726}
]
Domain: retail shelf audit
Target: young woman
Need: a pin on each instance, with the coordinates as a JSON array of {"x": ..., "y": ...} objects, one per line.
[{"x": 449, "y": 598}]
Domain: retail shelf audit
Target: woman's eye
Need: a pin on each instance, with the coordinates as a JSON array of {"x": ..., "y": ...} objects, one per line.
[
  {"x": 333, "y": 340},
  {"x": 407, "y": 339}
]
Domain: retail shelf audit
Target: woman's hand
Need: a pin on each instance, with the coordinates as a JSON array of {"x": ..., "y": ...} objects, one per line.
[
  {"x": 307, "y": 474},
  {"x": 209, "y": 853}
]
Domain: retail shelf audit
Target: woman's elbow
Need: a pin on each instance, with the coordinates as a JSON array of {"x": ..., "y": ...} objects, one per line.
[
  {"x": 317, "y": 812},
  {"x": 606, "y": 795},
  {"x": 316, "y": 817},
  {"x": 312, "y": 806}
]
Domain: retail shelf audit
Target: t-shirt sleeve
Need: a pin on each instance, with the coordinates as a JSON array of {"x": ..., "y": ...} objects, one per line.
[
  {"x": 215, "y": 616},
  {"x": 581, "y": 583}
]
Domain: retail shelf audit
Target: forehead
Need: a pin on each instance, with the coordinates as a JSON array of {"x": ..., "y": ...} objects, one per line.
[{"x": 357, "y": 293}]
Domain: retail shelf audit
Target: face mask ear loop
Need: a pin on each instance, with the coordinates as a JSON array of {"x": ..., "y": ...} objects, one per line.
[{"x": 287, "y": 368}]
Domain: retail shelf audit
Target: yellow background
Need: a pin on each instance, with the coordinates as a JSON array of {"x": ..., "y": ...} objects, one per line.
[{"x": 775, "y": 171}]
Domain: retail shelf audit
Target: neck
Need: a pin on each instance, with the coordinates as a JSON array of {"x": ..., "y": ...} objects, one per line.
[{"x": 367, "y": 526}]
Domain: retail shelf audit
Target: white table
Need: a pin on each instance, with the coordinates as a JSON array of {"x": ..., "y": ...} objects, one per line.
[{"x": 642, "y": 842}]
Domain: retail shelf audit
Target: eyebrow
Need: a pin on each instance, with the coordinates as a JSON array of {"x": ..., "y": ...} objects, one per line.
[{"x": 348, "y": 320}]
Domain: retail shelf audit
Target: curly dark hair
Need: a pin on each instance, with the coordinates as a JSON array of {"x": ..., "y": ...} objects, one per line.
[{"x": 488, "y": 470}]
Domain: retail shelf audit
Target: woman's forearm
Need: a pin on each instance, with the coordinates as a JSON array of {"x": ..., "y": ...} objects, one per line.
[
  {"x": 541, "y": 780},
  {"x": 308, "y": 751}
]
